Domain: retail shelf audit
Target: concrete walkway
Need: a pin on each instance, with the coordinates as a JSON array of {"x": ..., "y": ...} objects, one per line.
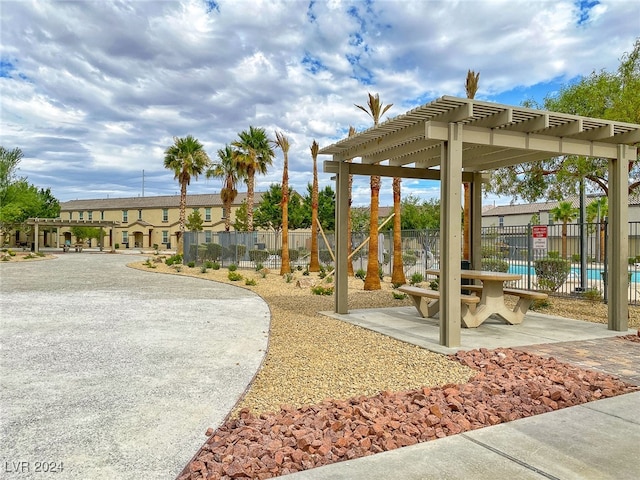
[{"x": 117, "y": 373}]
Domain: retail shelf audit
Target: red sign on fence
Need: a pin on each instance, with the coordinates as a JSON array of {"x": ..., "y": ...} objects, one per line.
[{"x": 539, "y": 234}]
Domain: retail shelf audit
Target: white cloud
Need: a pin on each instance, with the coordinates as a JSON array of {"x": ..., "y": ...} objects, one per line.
[{"x": 93, "y": 92}]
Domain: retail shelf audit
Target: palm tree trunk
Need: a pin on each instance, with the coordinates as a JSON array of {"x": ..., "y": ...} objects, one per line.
[
  {"x": 564, "y": 240},
  {"x": 397, "y": 274},
  {"x": 372, "y": 280},
  {"x": 314, "y": 263},
  {"x": 250, "y": 186},
  {"x": 181, "y": 220},
  {"x": 285, "y": 265},
  {"x": 227, "y": 219}
]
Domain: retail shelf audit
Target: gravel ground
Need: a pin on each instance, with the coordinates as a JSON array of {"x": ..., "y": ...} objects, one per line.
[{"x": 312, "y": 357}]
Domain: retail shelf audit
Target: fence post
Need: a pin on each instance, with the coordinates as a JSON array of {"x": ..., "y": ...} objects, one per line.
[{"x": 606, "y": 260}]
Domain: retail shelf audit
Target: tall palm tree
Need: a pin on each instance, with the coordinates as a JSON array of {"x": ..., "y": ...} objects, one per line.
[
  {"x": 314, "y": 263},
  {"x": 397, "y": 274},
  {"x": 186, "y": 158},
  {"x": 226, "y": 169},
  {"x": 372, "y": 281},
  {"x": 471, "y": 87},
  {"x": 282, "y": 142},
  {"x": 253, "y": 155},
  {"x": 565, "y": 213}
]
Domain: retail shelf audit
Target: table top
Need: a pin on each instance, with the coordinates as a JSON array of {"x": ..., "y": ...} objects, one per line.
[{"x": 483, "y": 275}]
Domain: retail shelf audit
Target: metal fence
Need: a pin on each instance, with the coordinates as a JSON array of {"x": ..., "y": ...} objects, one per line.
[{"x": 573, "y": 262}]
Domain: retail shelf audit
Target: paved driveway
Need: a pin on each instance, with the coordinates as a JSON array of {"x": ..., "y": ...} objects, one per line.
[{"x": 117, "y": 373}]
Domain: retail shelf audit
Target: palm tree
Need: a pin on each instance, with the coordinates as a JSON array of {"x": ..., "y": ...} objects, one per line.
[
  {"x": 372, "y": 281},
  {"x": 186, "y": 158},
  {"x": 471, "y": 87},
  {"x": 226, "y": 169},
  {"x": 565, "y": 213},
  {"x": 253, "y": 155},
  {"x": 314, "y": 263},
  {"x": 283, "y": 143},
  {"x": 397, "y": 274}
]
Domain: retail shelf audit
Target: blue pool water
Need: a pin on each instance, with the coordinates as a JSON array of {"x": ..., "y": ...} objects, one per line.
[{"x": 592, "y": 273}]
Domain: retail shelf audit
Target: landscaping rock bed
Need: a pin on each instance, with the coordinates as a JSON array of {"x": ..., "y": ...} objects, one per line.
[{"x": 509, "y": 385}]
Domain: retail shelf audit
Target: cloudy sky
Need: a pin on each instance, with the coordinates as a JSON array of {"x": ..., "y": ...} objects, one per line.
[{"x": 93, "y": 92}]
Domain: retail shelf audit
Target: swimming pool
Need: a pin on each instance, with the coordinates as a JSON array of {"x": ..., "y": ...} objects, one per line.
[{"x": 592, "y": 273}]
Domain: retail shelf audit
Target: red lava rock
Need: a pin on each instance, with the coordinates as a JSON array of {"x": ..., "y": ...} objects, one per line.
[{"x": 509, "y": 385}]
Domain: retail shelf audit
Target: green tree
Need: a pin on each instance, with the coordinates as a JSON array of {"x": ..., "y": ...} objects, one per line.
[
  {"x": 241, "y": 222},
  {"x": 607, "y": 95},
  {"x": 375, "y": 110},
  {"x": 187, "y": 159},
  {"x": 282, "y": 142},
  {"x": 84, "y": 233},
  {"x": 268, "y": 213},
  {"x": 326, "y": 208},
  {"x": 195, "y": 221},
  {"x": 420, "y": 215},
  {"x": 226, "y": 169},
  {"x": 253, "y": 155},
  {"x": 565, "y": 213}
]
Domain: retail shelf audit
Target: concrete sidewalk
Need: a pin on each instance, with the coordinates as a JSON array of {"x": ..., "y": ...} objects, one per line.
[
  {"x": 594, "y": 441},
  {"x": 117, "y": 373}
]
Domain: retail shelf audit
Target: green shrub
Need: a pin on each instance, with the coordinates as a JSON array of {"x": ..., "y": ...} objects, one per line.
[
  {"x": 215, "y": 266},
  {"x": 575, "y": 257},
  {"x": 553, "y": 254},
  {"x": 258, "y": 256},
  {"x": 320, "y": 290},
  {"x": 552, "y": 272},
  {"x": 435, "y": 284},
  {"x": 233, "y": 267},
  {"x": 209, "y": 264},
  {"x": 540, "y": 304},
  {"x": 288, "y": 277},
  {"x": 416, "y": 278},
  {"x": 495, "y": 265},
  {"x": 325, "y": 256},
  {"x": 409, "y": 259},
  {"x": 117, "y": 246},
  {"x": 323, "y": 272},
  {"x": 399, "y": 295},
  {"x": 174, "y": 259},
  {"x": 234, "y": 276},
  {"x": 191, "y": 264},
  {"x": 213, "y": 251},
  {"x": 203, "y": 269},
  {"x": 396, "y": 284},
  {"x": 361, "y": 274},
  {"x": 250, "y": 281},
  {"x": 592, "y": 295}
]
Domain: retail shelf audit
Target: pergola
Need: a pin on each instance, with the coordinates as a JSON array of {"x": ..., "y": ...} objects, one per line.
[
  {"x": 455, "y": 140},
  {"x": 36, "y": 223}
]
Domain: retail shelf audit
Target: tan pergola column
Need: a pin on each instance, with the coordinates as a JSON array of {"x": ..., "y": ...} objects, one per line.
[
  {"x": 618, "y": 240},
  {"x": 450, "y": 236},
  {"x": 342, "y": 214},
  {"x": 476, "y": 221}
]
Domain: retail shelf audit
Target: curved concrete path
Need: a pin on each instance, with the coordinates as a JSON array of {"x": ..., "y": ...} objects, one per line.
[{"x": 117, "y": 372}]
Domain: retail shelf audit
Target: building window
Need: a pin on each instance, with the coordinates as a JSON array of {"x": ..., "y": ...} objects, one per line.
[
  {"x": 501, "y": 221},
  {"x": 207, "y": 214},
  {"x": 90, "y": 216},
  {"x": 165, "y": 236},
  {"x": 207, "y": 236},
  {"x": 81, "y": 215},
  {"x": 125, "y": 237},
  {"x": 70, "y": 215},
  {"x": 165, "y": 215},
  {"x": 125, "y": 216},
  {"x": 139, "y": 214},
  {"x": 102, "y": 215}
]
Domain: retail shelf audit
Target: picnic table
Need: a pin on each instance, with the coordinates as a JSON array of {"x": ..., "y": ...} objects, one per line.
[{"x": 492, "y": 297}]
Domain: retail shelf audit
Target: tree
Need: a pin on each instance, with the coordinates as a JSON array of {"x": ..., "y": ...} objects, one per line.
[
  {"x": 241, "y": 223},
  {"x": 325, "y": 208},
  {"x": 282, "y": 142},
  {"x": 471, "y": 87},
  {"x": 418, "y": 215},
  {"x": 253, "y": 155},
  {"x": 372, "y": 281},
  {"x": 84, "y": 233},
  {"x": 195, "y": 221},
  {"x": 314, "y": 262},
  {"x": 186, "y": 158},
  {"x": 611, "y": 96},
  {"x": 226, "y": 169},
  {"x": 565, "y": 213},
  {"x": 269, "y": 213}
]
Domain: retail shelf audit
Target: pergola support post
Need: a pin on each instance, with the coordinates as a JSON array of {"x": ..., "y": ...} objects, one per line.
[
  {"x": 618, "y": 241},
  {"x": 476, "y": 221},
  {"x": 450, "y": 237},
  {"x": 342, "y": 214}
]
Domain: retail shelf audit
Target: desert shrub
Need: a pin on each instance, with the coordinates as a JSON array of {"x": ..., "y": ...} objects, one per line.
[
  {"x": 495, "y": 265},
  {"x": 203, "y": 269},
  {"x": 399, "y": 295},
  {"x": 234, "y": 276},
  {"x": 538, "y": 305},
  {"x": 322, "y": 272},
  {"x": 552, "y": 272},
  {"x": 325, "y": 256},
  {"x": 320, "y": 290},
  {"x": 288, "y": 277},
  {"x": 435, "y": 284},
  {"x": 409, "y": 259},
  {"x": 191, "y": 264},
  {"x": 174, "y": 259},
  {"x": 259, "y": 266},
  {"x": 396, "y": 284},
  {"x": 592, "y": 295},
  {"x": 233, "y": 267},
  {"x": 416, "y": 278},
  {"x": 250, "y": 281},
  {"x": 209, "y": 264},
  {"x": 258, "y": 256},
  {"x": 263, "y": 272},
  {"x": 361, "y": 274},
  {"x": 306, "y": 271},
  {"x": 215, "y": 266}
]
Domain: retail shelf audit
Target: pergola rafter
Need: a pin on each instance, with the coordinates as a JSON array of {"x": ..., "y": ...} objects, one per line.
[{"x": 457, "y": 139}]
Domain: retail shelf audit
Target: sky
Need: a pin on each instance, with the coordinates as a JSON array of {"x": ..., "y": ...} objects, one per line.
[{"x": 93, "y": 92}]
